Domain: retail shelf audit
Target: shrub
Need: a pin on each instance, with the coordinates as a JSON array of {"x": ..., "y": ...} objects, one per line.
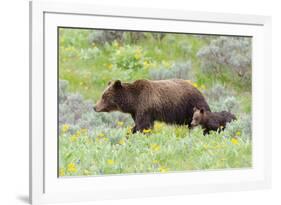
[
  {"x": 133, "y": 37},
  {"x": 186, "y": 48},
  {"x": 232, "y": 53},
  {"x": 228, "y": 103},
  {"x": 89, "y": 53},
  {"x": 181, "y": 70},
  {"x": 216, "y": 91},
  {"x": 220, "y": 98},
  {"x": 242, "y": 127},
  {"x": 76, "y": 38},
  {"x": 78, "y": 113},
  {"x": 129, "y": 57},
  {"x": 160, "y": 73},
  {"x": 101, "y": 37},
  {"x": 62, "y": 90},
  {"x": 68, "y": 53}
]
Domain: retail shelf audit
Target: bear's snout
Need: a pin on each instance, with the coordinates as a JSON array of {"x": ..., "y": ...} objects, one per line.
[
  {"x": 97, "y": 108},
  {"x": 193, "y": 124}
]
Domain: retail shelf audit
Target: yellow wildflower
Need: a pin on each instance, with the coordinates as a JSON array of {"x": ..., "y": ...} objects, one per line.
[
  {"x": 101, "y": 135},
  {"x": 65, "y": 128},
  {"x": 203, "y": 87},
  {"x": 155, "y": 161},
  {"x": 158, "y": 126},
  {"x": 73, "y": 138},
  {"x": 121, "y": 141},
  {"x": 234, "y": 141},
  {"x": 146, "y": 130},
  {"x": 110, "y": 161},
  {"x": 86, "y": 172},
  {"x": 195, "y": 85},
  {"x": 78, "y": 133},
  {"x": 84, "y": 131},
  {"x": 163, "y": 169},
  {"x": 166, "y": 64},
  {"x": 129, "y": 131},
  {"x": 146, "y": 64},
  {"x": 118, "y": 52},
  {"x": 62, "y": 172},
  {"x": 137, "y": 53},
  {"x": 238, "y": 133},
  {"x": 137, "y": 56},
  {"x": 116, "y": 44},
  {"x": 120, "y": 123},
  {"x": 155, "y": 147},
  {"x": 71, "y": 168},
  {"x": 109, "y": 66}
]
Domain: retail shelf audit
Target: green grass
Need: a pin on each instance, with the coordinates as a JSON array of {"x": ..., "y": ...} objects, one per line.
[
  {"x": 89, "y": 77},
  {"x": 88, "y": 68},
  {"x": 163, "y": 149}
]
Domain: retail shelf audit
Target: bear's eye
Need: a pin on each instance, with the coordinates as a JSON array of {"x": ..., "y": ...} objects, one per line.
[{"x": 104, "y": 96}]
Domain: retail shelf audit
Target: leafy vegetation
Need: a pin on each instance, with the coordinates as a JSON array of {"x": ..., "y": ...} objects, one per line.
[{"x": 93, "y": 143}]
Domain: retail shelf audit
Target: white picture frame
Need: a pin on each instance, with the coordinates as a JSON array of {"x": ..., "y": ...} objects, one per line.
[{"x": 46, "y": 187}]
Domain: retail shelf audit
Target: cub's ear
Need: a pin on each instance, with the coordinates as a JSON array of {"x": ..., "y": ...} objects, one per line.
[
  {"x": 194, "y": 109},
  {"x": 117, "y": 84},
  {"x": 109, "y": 82},
  {"x": 202, "y": 111}
]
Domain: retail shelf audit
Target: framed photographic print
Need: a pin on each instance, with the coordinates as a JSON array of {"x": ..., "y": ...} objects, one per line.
[{"x": 129, "y": 102}]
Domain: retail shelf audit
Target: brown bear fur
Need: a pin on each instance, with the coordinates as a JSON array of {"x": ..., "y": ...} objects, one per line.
[
  {"x": 170, "y": 101},
  {"x": 211, "y": 120}
]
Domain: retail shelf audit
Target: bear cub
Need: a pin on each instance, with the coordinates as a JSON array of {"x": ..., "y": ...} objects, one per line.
[{"x": 211, "y": 120}]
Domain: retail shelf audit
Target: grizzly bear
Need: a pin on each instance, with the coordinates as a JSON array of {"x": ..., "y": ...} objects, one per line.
[
  {"x": 211, "y": 120},
  {"x": 170, "y": 101}
]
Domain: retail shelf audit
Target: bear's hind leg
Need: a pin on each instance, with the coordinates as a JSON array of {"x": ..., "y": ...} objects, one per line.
[
  {"x": 206, "y": 131},
  {"x": 134, "y": 129}
]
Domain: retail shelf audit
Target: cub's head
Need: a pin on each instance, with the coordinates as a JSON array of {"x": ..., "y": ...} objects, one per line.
[
  {"x": 108, "y": 101},
  {"x": 198, "y": 115}
]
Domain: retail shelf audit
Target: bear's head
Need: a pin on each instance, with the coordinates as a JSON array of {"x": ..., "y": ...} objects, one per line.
[
  {"x": 110, "y": 97},
  {"x": 198, "y": 116}
]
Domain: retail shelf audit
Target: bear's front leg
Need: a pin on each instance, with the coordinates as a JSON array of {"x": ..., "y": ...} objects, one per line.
[
  {"x": 206, "y": 131},
  {"x": 143, "y": 121},
  {"x": 134, "y": 129}
]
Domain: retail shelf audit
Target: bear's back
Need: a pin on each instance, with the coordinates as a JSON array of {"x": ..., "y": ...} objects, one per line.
[
  {"x": 171, "y": 101},
  {"x": 222, "y": 117}
]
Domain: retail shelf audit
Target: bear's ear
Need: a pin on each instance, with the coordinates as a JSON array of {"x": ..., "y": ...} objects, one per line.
[
  {"x": 202, "y": 111},
  {"x": 109, "y": 82},
  {"x": 195, "y": 109},
  {"x": 117, "y": 84}
]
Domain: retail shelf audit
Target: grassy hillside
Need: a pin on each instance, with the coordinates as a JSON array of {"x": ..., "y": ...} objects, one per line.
[{"x": 100, "y": 143}]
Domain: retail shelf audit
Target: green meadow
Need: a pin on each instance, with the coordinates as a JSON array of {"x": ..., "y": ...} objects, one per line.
[{"x": 93, "y": 143}]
